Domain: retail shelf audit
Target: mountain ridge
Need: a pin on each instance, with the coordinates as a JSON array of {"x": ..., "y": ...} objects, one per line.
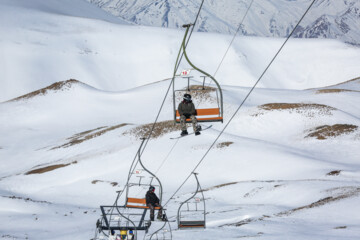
[{"x": 269, "y": 18}]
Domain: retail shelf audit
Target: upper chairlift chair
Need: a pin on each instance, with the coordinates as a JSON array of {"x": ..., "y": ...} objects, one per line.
[{"x": 214, "y": 114}]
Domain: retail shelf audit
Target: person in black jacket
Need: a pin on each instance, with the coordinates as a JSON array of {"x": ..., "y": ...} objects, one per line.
[
  {"x": 152, "y": 201},
  {"x": 187, "y": 110}
]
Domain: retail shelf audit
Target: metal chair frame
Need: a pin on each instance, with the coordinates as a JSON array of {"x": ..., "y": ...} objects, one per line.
[
  {"x": 192, "y": 223},
  {"x": 219, "y": 93}
]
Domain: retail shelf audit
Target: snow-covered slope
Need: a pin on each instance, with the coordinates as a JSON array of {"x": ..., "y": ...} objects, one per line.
[
  {"x": 275, "y": 18},
  {"x": 66, "y": 149},
  {"x": 287, "y": 166},
  {"x": 41, "y": 48}
]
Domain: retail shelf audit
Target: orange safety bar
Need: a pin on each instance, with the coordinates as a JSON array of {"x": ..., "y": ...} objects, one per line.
[
  {"x": 203, "y": 112},
  {"x": 139, "y": 201}
]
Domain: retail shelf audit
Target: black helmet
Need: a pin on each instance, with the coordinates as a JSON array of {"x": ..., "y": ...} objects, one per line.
[
  {"x": 152, "y": 188},
  {"x": 187, "y": 97}
]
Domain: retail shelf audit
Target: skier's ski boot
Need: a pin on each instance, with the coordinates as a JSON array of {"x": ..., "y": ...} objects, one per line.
[
  {"x": 198, "y": 129},
  {"x": 184, "y": 132}
]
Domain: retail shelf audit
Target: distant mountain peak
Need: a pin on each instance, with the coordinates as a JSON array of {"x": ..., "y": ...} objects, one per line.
[{"x": 270, "y": 18}]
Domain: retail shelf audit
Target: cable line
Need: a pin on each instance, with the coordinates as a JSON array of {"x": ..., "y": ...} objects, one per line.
[
  {"x": 232, "y": 40},
  {"x": 206, "y": 74},
  {"x": 177, "y": 64},
  {"x": 167, "y": 156},
  {"x": 139, "y": 152},
  {"x": 184, "y": 45},
  {"x": 242, "y": 103}
]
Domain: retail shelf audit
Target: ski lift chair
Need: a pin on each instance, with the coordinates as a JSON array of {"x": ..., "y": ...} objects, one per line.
[
  {"x": 131, "y": 215},
  {"x": 193, "y": 216},
  {"x": 202, "y": 114}
]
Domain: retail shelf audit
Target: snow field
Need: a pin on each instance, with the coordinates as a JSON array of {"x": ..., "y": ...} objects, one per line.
[{"x": 267, "y": 166}]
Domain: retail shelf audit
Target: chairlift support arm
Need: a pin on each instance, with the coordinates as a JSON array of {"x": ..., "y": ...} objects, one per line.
[
  {"x": 203, "y": 72},
  {"x": 187, "y": 26}
]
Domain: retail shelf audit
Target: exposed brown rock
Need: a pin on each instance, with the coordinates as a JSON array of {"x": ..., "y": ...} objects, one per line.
[
  {"x": 114, "y": 184},
  {"x": 87, "y": 135},
  {"x": 340, "y": 227},
  {"x": 333, "y": 90},
  {"x": 219, "y": 186},
  {"x": 48, "y": 168},
  {"x": 223, "y": 144},
  {"x": 327, "y": 131},
  {"x": 295, "y": 106},
  {"x": 43, "y": 91},
  {"x": 160, "y": 129},
  {"x": 334, "y": 173},
  {"x": 307, "y": 109}
]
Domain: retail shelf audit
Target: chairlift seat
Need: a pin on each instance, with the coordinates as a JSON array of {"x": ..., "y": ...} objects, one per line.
[
  {"x": 192, "y": 224},
  {"x": 110, "y": 220},
  {"x": 204, "y": 115},
  {"x": 138, "y": 203}
]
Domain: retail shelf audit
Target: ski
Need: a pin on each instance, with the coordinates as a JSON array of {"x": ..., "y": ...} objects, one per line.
[{"x": 202, "y": 129}]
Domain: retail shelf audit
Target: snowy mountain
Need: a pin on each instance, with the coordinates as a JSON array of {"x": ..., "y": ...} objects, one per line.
[
  {"x": 108, "y": 54},
  {"x": 282, "y": 166},
  {"x": 270, "y": 18},
  {"x": 286, "y": 166}
]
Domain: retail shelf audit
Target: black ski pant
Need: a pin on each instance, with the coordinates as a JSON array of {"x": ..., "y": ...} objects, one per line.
[{"x": 152, "y": 210}]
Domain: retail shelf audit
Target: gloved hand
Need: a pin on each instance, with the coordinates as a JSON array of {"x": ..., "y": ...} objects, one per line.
[{"x": 187, "y": 115}]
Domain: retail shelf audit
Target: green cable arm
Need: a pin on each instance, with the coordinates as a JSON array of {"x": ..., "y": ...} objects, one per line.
[
  {"x": 173, "y": 78},
  {"x": 203, "y": 72}
]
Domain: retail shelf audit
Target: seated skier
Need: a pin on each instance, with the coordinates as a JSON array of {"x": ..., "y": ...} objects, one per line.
[
  {"x": 131, "y": 235},
  {"x": 113, "y": 235},
  {"x": 153, "y": 201},
  {"x": 187, "y": 110}
]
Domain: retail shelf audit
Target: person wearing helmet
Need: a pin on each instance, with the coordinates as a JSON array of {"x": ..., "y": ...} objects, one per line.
[
  {"x": 187, "y": 110},
  {"x": 113, "y": 236},
  {"x": 153, "y": 201},
  {"x": 131, "y": 235}
]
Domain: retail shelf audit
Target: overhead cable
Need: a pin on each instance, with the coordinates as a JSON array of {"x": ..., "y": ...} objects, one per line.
[{"x": 246, "y": 97}]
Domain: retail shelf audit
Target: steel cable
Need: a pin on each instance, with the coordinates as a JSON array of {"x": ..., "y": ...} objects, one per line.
[
  {"x": 246, "y": 97},
  {"x": 232, "y": 40},
  {"x": 173, "y": 78},
  {"x": 138, "y": 153}
]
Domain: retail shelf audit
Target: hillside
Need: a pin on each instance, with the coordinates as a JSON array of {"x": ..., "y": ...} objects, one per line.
[
  {"x": 80, "y": 88},
  {"x": 43, "y": 47},
  {"x": 61, "y": 163}
]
